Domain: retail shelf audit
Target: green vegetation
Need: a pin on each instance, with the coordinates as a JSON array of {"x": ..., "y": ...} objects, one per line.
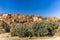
[
  {"x": 42, "y": 28},
  {"x": 37, "y": 29},
  {"x": 20, "y": 30},
  {"x": 4, "y": 27},
  {"x": 45, "y": 28}
]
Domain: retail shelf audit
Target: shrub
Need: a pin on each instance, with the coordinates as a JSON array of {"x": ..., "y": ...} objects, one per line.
[
  {"x": 41, "y": 28},
  {"x": 44, "y": 28},
  {"x": 4, "y": 26},
  {"x": 21, "y": 30},
  {"x": 52, "y": 27}
]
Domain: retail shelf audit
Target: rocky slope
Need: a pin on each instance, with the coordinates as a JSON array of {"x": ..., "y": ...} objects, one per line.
[{"x": 10, "y": 18}]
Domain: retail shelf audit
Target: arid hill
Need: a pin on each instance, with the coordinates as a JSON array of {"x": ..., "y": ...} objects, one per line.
[{"x": 10, "y": 18}]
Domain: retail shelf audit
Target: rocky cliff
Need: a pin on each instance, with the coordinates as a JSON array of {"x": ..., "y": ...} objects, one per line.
[{"x": 10, "y": 18}]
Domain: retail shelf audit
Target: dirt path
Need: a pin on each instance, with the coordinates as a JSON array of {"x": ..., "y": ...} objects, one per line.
[{"x": 6, "y": 36}]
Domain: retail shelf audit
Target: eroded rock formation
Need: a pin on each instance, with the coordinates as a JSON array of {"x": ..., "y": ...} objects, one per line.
[{"x": 10, "y": 18}]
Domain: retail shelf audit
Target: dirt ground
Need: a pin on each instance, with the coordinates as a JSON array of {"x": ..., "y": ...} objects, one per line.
[{"x": 7, "y": 36}]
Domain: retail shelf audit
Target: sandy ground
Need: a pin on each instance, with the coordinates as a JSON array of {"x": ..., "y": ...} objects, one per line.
[{"x": 6, "y": 36}]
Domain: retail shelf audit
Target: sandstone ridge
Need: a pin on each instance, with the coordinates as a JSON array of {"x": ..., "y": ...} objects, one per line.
[{"x": 10, "y": 18}]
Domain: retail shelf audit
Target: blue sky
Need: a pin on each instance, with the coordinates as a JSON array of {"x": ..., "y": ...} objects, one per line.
[{"x": 29, "y": 7}]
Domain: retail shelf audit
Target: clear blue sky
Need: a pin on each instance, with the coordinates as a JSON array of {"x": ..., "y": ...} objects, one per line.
[{"x": 36, "y": 7}]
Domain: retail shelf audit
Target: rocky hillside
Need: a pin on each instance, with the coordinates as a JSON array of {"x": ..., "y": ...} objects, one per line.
[{"x": 10, "y": 18}]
